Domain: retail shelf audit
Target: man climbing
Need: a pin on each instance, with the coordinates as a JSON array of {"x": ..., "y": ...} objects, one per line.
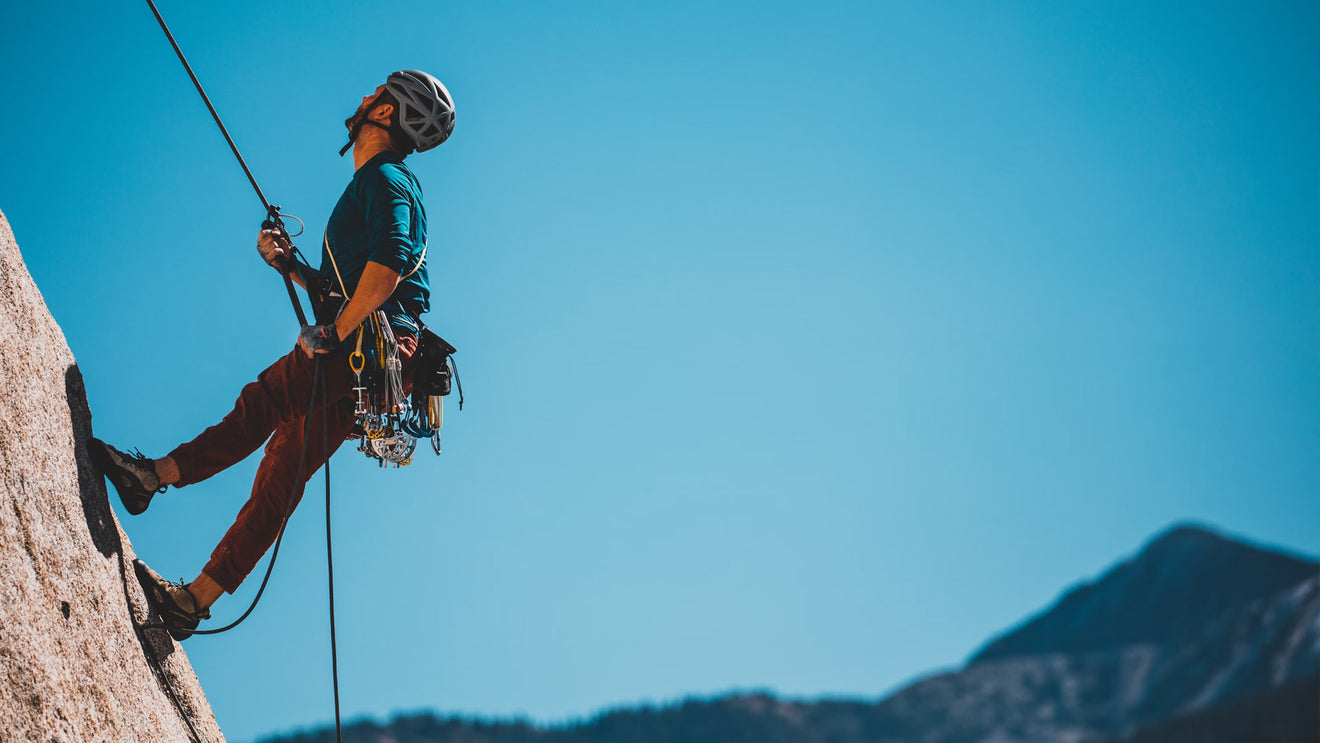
[{"x": 373, "y": 256}]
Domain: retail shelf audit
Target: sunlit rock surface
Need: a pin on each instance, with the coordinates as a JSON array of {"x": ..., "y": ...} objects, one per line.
[{"x": 78, "y": 660}]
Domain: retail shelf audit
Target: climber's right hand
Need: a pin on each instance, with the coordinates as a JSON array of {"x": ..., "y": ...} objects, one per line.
[{"x": 274, "y": 247}]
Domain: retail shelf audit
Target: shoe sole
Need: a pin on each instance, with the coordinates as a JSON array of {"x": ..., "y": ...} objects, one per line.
[
  {"x": 134, "y": 504},
  {"x": 159, "y": 604}
]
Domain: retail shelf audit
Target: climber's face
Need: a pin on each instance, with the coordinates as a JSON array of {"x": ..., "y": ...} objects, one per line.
[{"x": 364, "y": 107}]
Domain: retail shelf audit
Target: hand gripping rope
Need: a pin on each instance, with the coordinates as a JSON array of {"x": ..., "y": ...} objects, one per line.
[{"x": 274, "y": 221}]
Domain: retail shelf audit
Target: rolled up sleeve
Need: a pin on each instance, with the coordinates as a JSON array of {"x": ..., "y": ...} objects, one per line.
[{"x": 389, "y": 223}]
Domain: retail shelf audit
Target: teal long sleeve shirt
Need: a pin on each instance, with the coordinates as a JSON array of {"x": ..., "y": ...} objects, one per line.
[{"x": 380, "y": 219}]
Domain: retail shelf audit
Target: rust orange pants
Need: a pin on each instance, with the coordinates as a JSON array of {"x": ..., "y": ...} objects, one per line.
[{"x": 273, "y": 410}]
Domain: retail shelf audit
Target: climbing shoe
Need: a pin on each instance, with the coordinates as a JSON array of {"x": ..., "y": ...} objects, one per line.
[
  {"x": 173, "y": 601},
  {"x": 132, "y": 474}
]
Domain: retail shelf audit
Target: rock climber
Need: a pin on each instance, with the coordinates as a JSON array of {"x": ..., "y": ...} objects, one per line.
[{"x": 374, "y": 248}]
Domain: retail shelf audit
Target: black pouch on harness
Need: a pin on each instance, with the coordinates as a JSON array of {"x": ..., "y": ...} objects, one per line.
[
  {"x": 327, "y": 302},
  {"x": 435, "y": 369},
  {"x": 326, "y": 299}
]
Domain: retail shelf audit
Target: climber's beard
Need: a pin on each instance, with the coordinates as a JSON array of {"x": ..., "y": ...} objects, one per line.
[
  {"x": 369, "y": 102},
  {"x": 353, "y": 121}
]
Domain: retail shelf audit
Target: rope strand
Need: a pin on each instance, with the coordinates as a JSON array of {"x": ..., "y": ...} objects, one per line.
[
  {"x": 330, "y": 568},
  {"x": 272, "y": 212}
]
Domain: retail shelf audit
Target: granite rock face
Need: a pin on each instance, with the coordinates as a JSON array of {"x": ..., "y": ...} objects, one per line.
[{"x": 80, "y": 659}]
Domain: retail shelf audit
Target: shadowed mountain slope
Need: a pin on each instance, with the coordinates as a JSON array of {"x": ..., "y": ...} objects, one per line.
[
  {"x": 1283, "y": 715},
  {"x": 1181, "y": 580},
  {"x": 1258, "y": 646}
]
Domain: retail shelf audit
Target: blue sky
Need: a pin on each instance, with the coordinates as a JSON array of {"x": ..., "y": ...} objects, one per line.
[{"x": 805, "y": 347}]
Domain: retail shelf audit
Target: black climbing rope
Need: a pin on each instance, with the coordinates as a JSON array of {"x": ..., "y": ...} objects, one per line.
[
  {"x": 273, "y": 219},
  {"x": 330, "y": 559}
]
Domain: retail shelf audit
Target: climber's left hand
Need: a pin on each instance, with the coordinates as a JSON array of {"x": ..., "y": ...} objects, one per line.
[{"x": 318, "y": 339}]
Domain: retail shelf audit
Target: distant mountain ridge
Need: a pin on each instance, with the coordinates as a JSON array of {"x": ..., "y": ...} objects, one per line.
[
  {"x": 1179, "y": 581},
  {"x": 1195, "y": 632},
  {"x": 1061, "y": 696}
]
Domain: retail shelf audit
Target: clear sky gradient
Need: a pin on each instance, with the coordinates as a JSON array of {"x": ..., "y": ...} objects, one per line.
[{"x": 805, "y": 345}]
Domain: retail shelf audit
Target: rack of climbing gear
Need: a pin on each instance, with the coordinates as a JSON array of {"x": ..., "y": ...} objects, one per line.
[
  {"x": 381, "y": 404},
  {"x": 389, "y": 421}
]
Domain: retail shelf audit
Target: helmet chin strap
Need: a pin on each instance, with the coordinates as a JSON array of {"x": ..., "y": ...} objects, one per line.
[{"x": 356, "y": 130}]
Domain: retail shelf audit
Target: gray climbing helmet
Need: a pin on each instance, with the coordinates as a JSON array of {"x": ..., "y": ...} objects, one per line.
[{"x": 426, "y": 110}]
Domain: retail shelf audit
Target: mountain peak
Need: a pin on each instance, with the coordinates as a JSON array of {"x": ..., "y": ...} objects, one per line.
[
  {"x": 1183, "y": 531},
  {"x": 1189, "y": 537},
  {"x": 1179, "y": 581}
]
